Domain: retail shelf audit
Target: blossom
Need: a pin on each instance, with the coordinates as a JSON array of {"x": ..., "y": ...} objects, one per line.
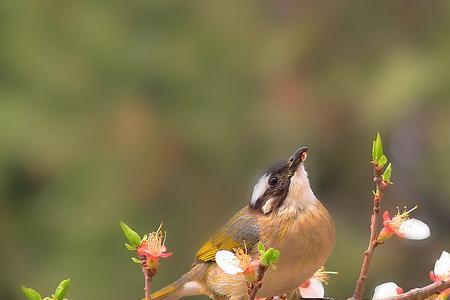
[
  {"x": 386, "y": 290},
  {"x": 441, "y": 268},
  {"x": 313, "y": 287},
  {"x": 442, "y": 272},
  {"x": 228, "y": 262},
  {"x": 239, "y": 262},
  {"x": 152, "y": 248},
  {"x": 402, "y": 226}
]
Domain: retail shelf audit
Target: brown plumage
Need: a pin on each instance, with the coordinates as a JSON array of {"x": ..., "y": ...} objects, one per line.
[{"x": 283, "y": 213}]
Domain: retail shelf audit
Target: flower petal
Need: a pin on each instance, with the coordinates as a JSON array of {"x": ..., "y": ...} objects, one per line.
[
  {"x": 386, "y": 216},
  {"x": 414, "y": 229},
  {"x": 314, "y": 290},
  {"x": 385, "y": 290},
  {"x": 442, "y": 265},
  {"x": 432, "y": 276},
  {"x": 228, "y": 262},
  {"x": 166, "y": 254}
]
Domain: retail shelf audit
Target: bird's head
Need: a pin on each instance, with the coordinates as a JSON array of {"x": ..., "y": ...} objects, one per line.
[{"x": 285, "y": 184}]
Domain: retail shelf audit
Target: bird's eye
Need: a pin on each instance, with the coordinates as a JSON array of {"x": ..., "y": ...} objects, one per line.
[{"x": 273, "y": 181}]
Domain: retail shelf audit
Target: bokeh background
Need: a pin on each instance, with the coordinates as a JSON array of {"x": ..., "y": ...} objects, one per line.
[{"x": 150, "y": 111}]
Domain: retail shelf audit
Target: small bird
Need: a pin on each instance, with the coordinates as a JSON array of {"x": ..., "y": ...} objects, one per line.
[{"x": 283, "y": 213}]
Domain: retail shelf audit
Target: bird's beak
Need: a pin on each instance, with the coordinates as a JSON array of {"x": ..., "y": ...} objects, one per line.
[{"x": 296, "y": 158}]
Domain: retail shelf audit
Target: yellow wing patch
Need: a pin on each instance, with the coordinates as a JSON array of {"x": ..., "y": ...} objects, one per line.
[
  {"x": 221, "y": 241},
  {"x": 164, "y": 292},
  {"x": 241, "y": 228}
]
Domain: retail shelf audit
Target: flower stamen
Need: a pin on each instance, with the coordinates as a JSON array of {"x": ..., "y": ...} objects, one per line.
[{"x": 322, "y": 275}]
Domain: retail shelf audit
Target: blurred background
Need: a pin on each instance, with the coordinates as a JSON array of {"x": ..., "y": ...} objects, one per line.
[{"x": 150, "y": 111}]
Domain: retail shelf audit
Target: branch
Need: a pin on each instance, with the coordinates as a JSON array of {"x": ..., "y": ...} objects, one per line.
[
  {"x": 148, "y": 285},
  {"x": 423, "y": 292},
  {"x": 381, "y": 186},
  {"x": 149, "y": 273},
  {"x": 254, "y": 287}
]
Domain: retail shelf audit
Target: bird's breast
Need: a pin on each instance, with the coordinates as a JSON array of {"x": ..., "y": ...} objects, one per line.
[{"x": 305, "y": 239}]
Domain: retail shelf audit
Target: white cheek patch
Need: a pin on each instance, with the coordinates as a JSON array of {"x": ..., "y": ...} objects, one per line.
[
  {"x": 267, "y": 207},
  {"x": 260, "y": 188}
]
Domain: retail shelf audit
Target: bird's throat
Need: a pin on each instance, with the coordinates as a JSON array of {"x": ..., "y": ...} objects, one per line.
[{"x": 300, "y": 195}]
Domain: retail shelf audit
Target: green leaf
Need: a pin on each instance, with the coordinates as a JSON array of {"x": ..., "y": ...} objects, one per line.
[
  {"x": 382, "y": 161},
  {"x": 276, "y": 256},
  {"x": 387, "y": 173},
  {"x": 261, "y": 248},
  {"x": 31, "y": 294},
  {"x": 270, "y": 257},
  {"x": 129, "y": 247},
  {"x": 135, "y": 260},
  {"x": 378, "y": 148},
  {"x": 133, "y": 238},
  {"x": 264, "y": 259},
  {"x": 61, "y": 290}
]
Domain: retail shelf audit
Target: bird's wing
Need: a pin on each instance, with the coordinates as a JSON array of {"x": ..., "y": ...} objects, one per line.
[{"x": 242, "y": 228}]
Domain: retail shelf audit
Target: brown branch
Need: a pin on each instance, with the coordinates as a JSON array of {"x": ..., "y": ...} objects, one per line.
[
  {"x": 254, "y": 287},
  {"x": 423, "y": 292},
  {"x": 381, "y": 186},
  {"x": 148, "y": 286},
  {"x": 149, "y": 273}
]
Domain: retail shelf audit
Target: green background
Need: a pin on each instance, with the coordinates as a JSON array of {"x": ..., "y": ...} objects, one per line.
[{"x": 150, "y": 111}]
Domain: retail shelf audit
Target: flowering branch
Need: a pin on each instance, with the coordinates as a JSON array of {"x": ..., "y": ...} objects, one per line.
[
  {"x": 359, "y": 289},
  {"x": 267, "y": 258},
  {"x": 150, "y": 248},
  {"x": 241, "y": 263},
  {"x": 423, "y": 292},
  {"x": 255, "y": 286},
  {"x": 381, "y": 181},
  {"x": 402, "y": 226}
]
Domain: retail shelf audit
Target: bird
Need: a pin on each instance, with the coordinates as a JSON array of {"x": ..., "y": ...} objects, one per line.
[{"x": 282, "y": 213}]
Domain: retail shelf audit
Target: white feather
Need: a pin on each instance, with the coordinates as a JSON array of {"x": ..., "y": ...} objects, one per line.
[
  {"x": 260, "y": 188},
  {"x": 300, "y": 195},
  {"x": 192, "y": 288},
  {"x": 267, "y": 207}
]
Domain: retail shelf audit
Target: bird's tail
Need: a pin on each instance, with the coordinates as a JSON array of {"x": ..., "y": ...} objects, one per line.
[
  {"x": 169, "y": 292},
  {"x": 187, "y": 285}
]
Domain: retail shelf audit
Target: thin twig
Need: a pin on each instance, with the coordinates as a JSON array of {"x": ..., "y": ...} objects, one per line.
[
  {"x": 149, "y": 273},
  {"x": 254, "y": 287},
  {"x": 423, "y": 292},
  {"x": 377, "y": 197}
]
